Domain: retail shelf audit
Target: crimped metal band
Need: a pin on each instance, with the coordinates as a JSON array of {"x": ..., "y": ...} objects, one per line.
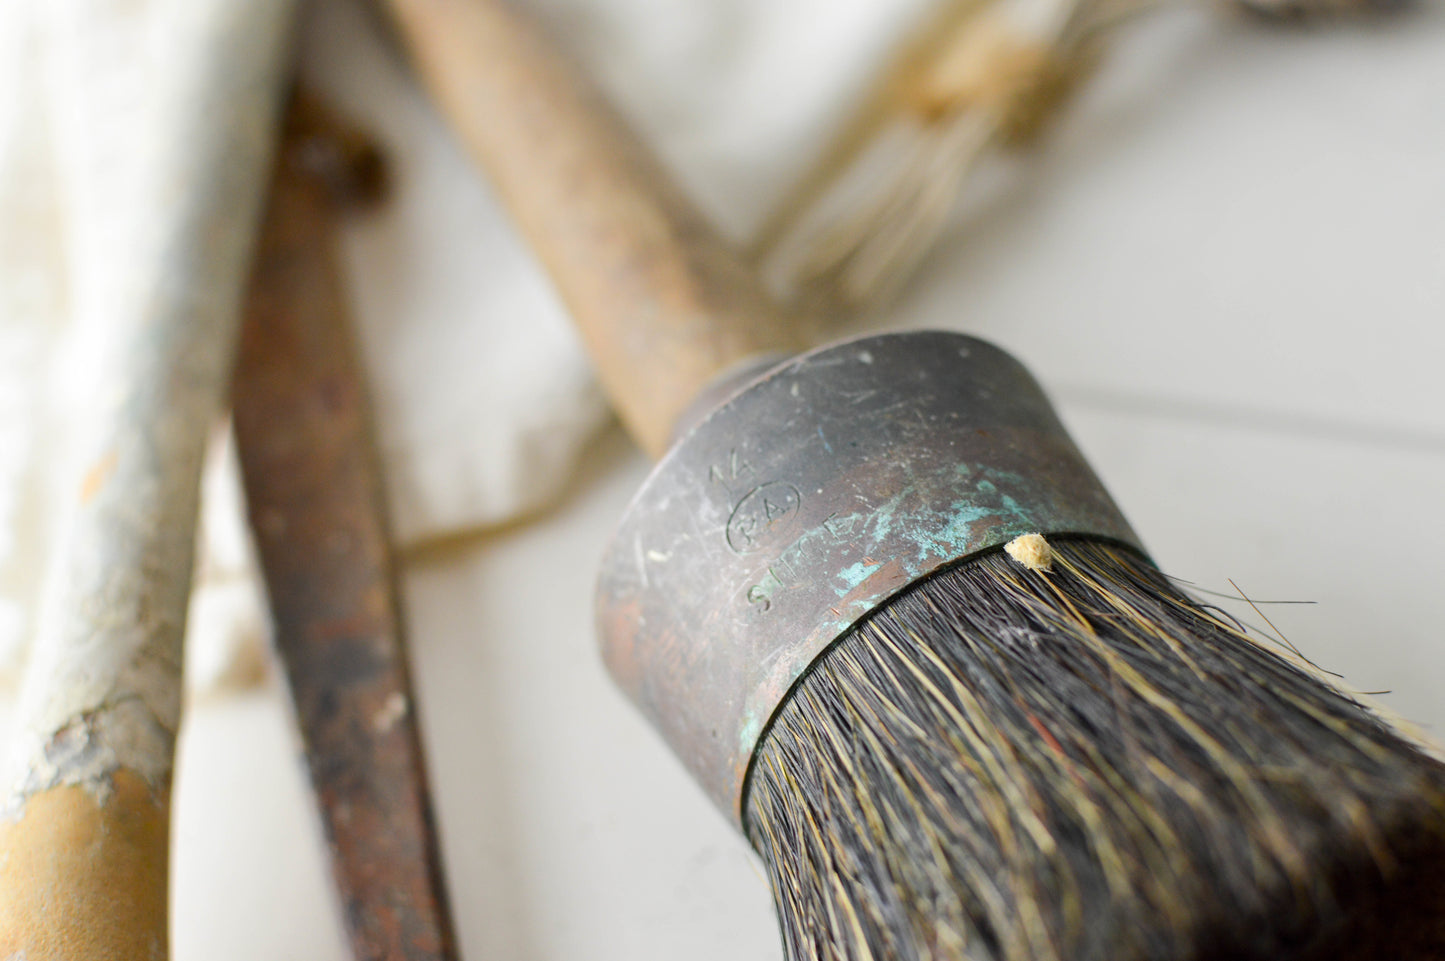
[{"x": 804, "y": 502}]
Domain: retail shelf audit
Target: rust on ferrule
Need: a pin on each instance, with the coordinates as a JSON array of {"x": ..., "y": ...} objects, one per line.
[{"x": 807, "y": 500}]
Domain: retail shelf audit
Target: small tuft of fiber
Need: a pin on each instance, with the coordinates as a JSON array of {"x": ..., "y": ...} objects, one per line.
[
  {"x": 1088, "y": 767},
  {"x": 1032, "y": 551}
]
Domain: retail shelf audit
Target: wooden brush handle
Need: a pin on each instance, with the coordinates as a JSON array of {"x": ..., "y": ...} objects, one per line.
[
  {"x": 663, "y": 302},
  {"x": 85, "y": 823},
  {"x": 313, "y": 480}
]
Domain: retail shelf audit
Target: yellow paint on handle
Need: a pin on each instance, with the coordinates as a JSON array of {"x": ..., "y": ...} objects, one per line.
[{"x": 85, "y": 881}]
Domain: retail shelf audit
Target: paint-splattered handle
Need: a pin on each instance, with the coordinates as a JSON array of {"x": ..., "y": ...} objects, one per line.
[{"x": 85, "y": 818}]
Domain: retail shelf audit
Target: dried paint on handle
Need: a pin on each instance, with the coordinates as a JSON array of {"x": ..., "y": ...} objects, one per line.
[{"x": 84, "y": 822}]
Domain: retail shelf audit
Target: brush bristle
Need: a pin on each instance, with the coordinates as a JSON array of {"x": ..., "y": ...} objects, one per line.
[{"x": 1087, "y": 764}]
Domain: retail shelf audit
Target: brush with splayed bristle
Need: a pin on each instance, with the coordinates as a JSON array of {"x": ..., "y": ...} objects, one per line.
[
  {"x": 979, "y": 81},
  {"x": 884, "y": 611}
]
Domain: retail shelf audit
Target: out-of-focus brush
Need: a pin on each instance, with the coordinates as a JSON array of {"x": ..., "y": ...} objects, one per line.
[
  {"x": 978, "y": 80},
  {"x": 84, "y": 824},
  {"x": 313, "y": 488},
  {"x": 886, "y": 614}
]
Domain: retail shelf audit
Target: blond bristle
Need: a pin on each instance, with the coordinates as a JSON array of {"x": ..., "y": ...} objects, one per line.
[{"x": 972, "y": 84}]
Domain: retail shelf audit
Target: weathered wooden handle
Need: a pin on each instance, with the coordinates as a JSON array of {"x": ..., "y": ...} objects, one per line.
[
  {"x": 85, "y": 823},
  {"x": 313, "y": 481},
  {"x": 664, "y": 303}
]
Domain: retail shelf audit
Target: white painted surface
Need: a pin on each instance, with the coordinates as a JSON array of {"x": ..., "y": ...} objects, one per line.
[
  {"x": 1230, "y": 271},
  {"x": 105, "y": 663}
]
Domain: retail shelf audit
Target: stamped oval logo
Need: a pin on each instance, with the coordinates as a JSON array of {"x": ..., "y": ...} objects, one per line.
[{"x": 763, "y": 515}]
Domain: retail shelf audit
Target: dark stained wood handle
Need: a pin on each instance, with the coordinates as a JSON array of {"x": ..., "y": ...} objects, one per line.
[
  {"x": 663, "y": 302},
  {"x": 313, "y": 482}
]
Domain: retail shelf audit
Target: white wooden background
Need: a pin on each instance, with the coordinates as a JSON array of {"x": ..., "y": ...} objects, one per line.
[{"x": 1229, "y": 270}]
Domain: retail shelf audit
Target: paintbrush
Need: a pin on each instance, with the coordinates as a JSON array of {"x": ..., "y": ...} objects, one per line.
[
  {"x": 884, "y": 611},
  {"x": 314, "y": 492},
  {"x": 83, "y": 832},
  {"x": 976, "y": 82}
]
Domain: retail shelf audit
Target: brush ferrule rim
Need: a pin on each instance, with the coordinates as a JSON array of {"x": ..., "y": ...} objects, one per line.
[{"x": 807, "y": 500}]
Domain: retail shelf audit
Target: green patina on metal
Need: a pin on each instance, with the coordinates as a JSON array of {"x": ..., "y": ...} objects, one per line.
[
  {"x": 807, "y": 500},
  {"x": 856, "y": 574}
]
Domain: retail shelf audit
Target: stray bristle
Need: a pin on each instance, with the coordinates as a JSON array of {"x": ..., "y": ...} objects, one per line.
[{"x": 1088, "y": 765}]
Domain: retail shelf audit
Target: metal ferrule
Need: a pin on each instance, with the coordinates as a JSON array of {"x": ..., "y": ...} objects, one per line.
[{"x": 807, "y": 500}]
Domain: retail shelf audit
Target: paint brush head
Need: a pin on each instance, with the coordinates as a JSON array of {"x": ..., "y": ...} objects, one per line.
[
  {"x": 1081, "y": 764},
  {"x": 885, "y": 612}
]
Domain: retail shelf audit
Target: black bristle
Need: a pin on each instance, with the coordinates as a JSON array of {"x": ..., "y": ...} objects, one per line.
[{"x": 1083, "y": 765}]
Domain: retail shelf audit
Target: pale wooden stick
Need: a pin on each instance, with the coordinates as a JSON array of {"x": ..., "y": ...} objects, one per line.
[
  {"x": 83, "y": 859},
  {"x": 664, "y": 303}
]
